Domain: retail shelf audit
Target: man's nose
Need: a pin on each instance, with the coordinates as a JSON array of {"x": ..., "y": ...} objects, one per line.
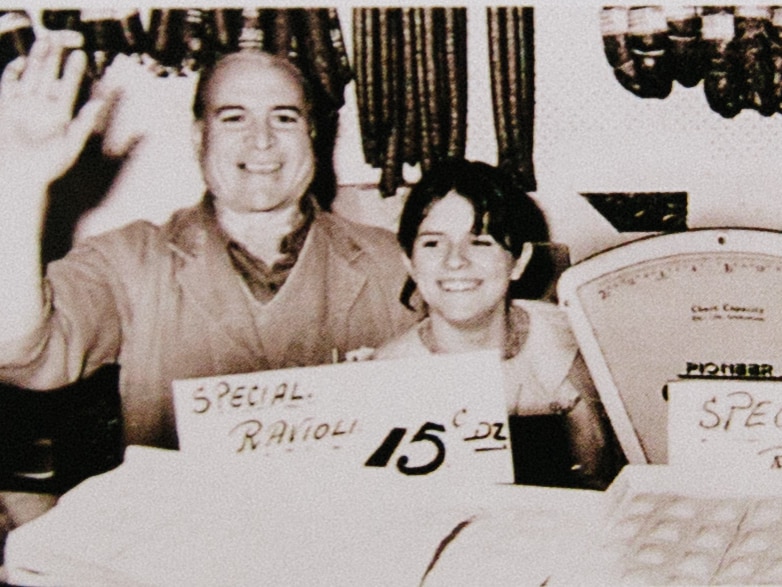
[
  {"x": 261, "y": 135},
  {"x": 455, "y": 257}
]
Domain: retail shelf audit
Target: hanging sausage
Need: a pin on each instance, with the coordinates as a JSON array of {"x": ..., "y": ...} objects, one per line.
[
  {"x": 687, "y": 62},
  {"x": 721, "y": 84},
  {"x": 635, "y": 44},
  {"x": 775, "y": 41},
  {"x": 614, "y": 28},
  {"x": 753, "y": 54}
]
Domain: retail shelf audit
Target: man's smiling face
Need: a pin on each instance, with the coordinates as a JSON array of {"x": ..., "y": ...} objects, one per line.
[{"x": 254, "y": 142}]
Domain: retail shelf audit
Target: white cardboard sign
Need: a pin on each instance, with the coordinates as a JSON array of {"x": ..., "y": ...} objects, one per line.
[
  {"x": 728, "y": 423},
  {"x": 415, "y": 417}
]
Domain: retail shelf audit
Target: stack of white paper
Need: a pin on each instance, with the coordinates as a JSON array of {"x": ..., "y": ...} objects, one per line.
[
  {"x": 159, "y": 519},
  {"x": 353, "y": 474}
]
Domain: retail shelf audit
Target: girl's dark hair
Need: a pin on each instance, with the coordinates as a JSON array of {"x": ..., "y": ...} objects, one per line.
[{"x": 502, "y": 209}]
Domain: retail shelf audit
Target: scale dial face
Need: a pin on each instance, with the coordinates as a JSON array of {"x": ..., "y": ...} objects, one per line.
[{"x": 694, "y": 304}]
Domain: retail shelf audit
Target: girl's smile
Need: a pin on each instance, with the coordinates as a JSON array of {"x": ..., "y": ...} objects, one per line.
[{"x": 463, "y": 276}]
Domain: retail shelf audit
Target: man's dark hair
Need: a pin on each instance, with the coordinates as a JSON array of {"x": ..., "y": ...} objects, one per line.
[{"x": 211, "y": 68}]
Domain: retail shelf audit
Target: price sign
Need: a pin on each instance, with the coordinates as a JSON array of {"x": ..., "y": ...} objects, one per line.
[
  {"x": 729, "y": 424},
  {"x": 422, "y": 417}
]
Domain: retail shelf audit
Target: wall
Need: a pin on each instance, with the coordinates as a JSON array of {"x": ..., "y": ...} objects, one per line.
[{"x": 591, "y": 135}]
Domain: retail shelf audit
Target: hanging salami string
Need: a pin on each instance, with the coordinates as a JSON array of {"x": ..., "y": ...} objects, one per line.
[
  {"x": 177, "y": 40},
  {"x": 224, "y": 27},
  {"x": 135, "y": 39},
  {"x": 107, "y": 33},
  {"x": 251, "y": 34}
]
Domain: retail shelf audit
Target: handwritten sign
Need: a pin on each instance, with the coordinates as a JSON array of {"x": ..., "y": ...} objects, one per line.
[
  {"x": 414, "y": 417},
  {"x": 725, "y": 424}
]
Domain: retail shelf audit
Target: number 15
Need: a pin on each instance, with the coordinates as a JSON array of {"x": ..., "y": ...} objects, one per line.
[{"x": 386, "y": 449}]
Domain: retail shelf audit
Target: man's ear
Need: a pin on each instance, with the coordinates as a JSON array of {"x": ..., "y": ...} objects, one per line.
[
  {"x": 521, "y": 263},
  {"x": 197, "y": 136}
]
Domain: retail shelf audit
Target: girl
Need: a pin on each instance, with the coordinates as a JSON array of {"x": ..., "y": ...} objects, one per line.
[{"x": 467, "y": 233}]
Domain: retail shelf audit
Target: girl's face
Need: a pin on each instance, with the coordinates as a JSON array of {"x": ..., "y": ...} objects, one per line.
[{"x": 463, "y": 277}]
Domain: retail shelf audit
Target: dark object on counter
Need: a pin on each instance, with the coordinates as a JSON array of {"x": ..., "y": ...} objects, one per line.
[
  {"x": 541, "y": 454},
  {"x": 52, "y": 440}
]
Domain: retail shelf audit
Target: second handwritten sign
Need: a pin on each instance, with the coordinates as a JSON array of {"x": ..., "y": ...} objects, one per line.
[{"x": 725, "y": 423}]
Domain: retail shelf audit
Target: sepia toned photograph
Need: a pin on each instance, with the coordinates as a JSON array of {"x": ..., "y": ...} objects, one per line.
[{"x": 358, "y": 293}]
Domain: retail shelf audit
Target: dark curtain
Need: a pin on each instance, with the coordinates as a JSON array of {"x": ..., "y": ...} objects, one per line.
[
  {"x": 312, "y": 38},
  {"x": 512, "y": 65},
  {"x": 411, "y": 85}
]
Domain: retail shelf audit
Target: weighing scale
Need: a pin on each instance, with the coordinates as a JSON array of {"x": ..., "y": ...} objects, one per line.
[{"x": 702, "y": 303}]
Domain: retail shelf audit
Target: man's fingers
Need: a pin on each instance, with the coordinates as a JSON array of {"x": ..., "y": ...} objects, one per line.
[
  {"x": 90, "y": 116},
  {"x": 11, "y": 74},
  {"x": 66, "y": 38},
  {"x": 37, "y": 65},
  {"x": 46, "y": 57},
  {"x": 72, "y": 74}
]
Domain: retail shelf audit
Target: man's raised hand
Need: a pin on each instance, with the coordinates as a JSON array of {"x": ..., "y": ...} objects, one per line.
[{"x": 40, "y": 137}]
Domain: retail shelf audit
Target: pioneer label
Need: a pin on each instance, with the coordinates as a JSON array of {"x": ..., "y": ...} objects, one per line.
[{"x": 730, "y": 370}]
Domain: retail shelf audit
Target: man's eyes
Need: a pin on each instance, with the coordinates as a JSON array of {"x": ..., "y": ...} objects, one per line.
[
  {"x": 285, "y": 119},
  {"x": 232, "y": 118},
  {"x": 279, "y": 120}
]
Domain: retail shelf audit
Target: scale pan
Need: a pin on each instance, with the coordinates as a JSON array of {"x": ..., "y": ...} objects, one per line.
[{"x": 701, "y": 303}]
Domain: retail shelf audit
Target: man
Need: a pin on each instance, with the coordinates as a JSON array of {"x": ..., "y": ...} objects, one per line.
[{"x": 255, "y": 277}]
